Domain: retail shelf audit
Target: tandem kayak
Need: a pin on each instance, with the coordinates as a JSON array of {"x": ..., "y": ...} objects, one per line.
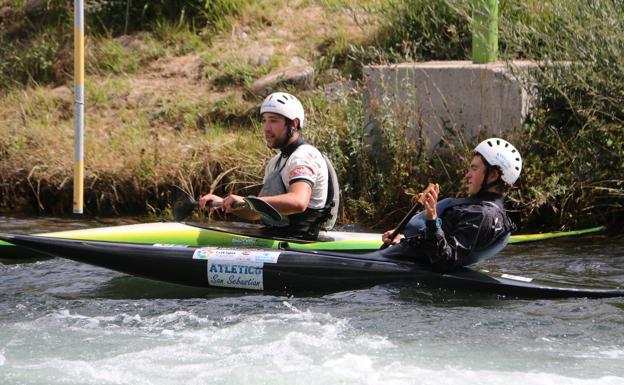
[
  {"x": 244, "y": 235},
  {"x": 286, "y": 269}
]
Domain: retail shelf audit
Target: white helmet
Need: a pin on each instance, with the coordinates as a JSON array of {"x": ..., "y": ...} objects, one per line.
[
  {"x": 283, "y": 104},
  {"x": 501, "y": 153}
]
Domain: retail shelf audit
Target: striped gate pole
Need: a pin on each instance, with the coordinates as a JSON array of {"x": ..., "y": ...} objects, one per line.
[
  {"x": 78, "y": 106},
  {"x": 485, "y": 31}
]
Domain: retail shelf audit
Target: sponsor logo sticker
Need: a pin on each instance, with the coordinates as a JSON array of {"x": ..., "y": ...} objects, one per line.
[
  {"x": 244, "y": 241},
  {"x": 236, "y": 268},
  {"x": 300, "y": 171},
  {"x": 504, "y": 161}
]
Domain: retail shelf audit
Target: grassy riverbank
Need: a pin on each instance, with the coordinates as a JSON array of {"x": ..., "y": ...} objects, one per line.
[{"x": 168, "y": 103}]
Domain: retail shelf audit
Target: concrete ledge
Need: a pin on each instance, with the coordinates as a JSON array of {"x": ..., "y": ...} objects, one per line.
[{"x": 442, "y": 99}]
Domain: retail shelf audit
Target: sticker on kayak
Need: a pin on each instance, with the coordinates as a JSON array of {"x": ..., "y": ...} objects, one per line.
[
  {"x": 236, "y": 268},
  {"x": 516, "y": 277},
  {"x": 260, "y": 256},
  {"x": 244, "y": 241},
  {"x": 251, "y": 242}
]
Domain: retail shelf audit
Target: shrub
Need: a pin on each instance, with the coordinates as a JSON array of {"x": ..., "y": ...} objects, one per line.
[{"x": 573, "y": 143}]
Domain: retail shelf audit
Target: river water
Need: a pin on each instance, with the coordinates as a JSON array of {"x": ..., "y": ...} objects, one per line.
[{"x": 62, "y": 322}]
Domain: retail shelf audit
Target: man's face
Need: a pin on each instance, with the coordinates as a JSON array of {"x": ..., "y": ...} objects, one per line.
[
  {"x": 474, "y": 176},
  {"x": 275, "y": 130}
]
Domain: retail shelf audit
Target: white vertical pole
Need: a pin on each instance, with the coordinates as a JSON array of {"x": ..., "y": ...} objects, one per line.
[{"x": 78, "y": 106}]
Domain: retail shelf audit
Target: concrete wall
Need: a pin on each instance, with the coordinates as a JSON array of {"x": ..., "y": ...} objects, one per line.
[{"x": 447, "y": 100}]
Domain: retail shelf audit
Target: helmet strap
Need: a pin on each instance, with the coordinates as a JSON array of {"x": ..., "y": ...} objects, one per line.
[
  {"x": 290, "y": 132},
  {"x": 488, "y": 170},
  {"x": 290, "y": 126},
  {"x": 485, "y": 185},
  {"x": 284, "y": 143}
]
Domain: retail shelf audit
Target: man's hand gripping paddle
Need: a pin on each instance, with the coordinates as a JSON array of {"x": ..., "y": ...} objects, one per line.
[
  {"x": 419, "y": 202},
  {"x": 185, "y": 207}
]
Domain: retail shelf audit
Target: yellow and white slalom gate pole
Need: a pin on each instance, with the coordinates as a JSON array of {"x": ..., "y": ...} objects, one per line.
[{"x": 78, "y": 106}]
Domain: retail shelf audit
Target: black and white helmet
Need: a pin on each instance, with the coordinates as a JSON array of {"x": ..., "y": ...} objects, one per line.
[
  {"x": 501, "y": 153},
  {"x": 284, "y": 104}
]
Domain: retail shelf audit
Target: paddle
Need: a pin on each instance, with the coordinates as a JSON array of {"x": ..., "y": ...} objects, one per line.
[
  {"x": 399, "y": 229},
  {"x": 185, "y": 207}
]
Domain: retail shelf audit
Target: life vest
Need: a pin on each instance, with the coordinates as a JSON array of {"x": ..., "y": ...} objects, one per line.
[
  {"x": 308, "y": 223},
  {"x": 416, "y": 227}
]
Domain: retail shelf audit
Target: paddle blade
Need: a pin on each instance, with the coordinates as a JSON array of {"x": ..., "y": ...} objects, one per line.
[
  {"x": 183, "y": 208},
  {"x": 264, "y": 209}
]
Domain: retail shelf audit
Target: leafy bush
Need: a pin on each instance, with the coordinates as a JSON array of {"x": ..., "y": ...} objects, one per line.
[
  {"x": 573, "y": 142},
  {"x": 378, "y": 177},
  {"x": 427, "y": 30}
]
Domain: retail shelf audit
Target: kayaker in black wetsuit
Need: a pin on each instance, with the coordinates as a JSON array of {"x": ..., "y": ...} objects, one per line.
[
  {"x": 299, "y": 182},
  {"x": 456, "y": 232}
]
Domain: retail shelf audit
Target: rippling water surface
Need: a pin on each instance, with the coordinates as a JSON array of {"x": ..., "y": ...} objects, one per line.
[{"x": 62, "y": 322}]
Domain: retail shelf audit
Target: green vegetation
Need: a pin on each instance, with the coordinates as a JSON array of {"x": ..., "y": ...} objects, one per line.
[
  {"x": 168, "y": 102},
  {"x": 37, "y": 36},
  {"x": 573, "y": 142}
]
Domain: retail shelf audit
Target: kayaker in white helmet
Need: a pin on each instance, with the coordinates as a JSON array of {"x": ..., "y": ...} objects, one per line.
[
  {"x": 456, "y": 232},
  {"x": 299, "y": 182}
]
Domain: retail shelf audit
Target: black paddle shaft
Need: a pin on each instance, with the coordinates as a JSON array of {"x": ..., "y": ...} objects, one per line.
[
  {"x": 185, "y": 207},
  {"x": 402, "y": 224}
]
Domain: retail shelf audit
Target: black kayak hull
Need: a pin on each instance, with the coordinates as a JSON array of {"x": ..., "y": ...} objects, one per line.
[{"x": 289, "y": 271}]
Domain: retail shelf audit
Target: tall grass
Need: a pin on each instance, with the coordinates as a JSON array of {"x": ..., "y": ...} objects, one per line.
[
  {"x": 427, "y": 30},
  {"x": 132, "y": 164},
  {"x": 335, "y": 128},
  {"x": 37, "y": 47},
  {"x": 575, "y": 141},
  {"x": 380, "y": 173}
]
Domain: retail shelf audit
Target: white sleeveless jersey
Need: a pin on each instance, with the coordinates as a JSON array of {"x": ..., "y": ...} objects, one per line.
[{"x": 306, "y": 163}]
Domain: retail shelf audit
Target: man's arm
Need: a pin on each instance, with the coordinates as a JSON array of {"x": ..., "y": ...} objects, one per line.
[
  {"x": 294, "y": 201},
  {"x": 429, "y": 199},
  {"x": 302, "y": 171},
  {"x": 209, "y": 199},
  {"x": 245, "y": 213}
]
